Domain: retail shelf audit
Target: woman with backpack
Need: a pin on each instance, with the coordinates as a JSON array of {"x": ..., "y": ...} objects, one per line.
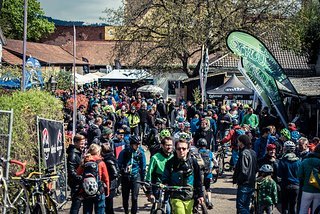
[
  {"x": 113, "y": 171},
  {"x": 95, "y": 181}
]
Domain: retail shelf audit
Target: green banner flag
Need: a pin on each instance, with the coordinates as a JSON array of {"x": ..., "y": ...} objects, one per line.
[
  {"x": 268, "y": 84},
  {"x": 249, "y": 47}
]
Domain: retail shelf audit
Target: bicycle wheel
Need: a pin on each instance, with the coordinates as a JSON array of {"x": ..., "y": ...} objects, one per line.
[
  {"x": 215, "y": 175},
  {"x": 227, "y": 166},
  {"x": 200, "y": 208},
  {"x": 50, "y": 206},
  {"x": 220, "y": 160},
  {"x": 158, "y": 211},
  {"x": 39, "y": 209}
]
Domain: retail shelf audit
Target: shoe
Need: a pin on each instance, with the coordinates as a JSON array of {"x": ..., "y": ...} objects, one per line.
[{"x": 210, "y": 205}]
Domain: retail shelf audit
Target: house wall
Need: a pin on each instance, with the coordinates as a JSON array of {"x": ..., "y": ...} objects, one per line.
[{"x": 0, "y": 52}]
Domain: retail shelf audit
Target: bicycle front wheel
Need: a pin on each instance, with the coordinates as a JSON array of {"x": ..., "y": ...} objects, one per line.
[
  {"x": 39, "y": 209},
  {"x": 50, "y": 206},
  {"x": 200, "y": 209}
]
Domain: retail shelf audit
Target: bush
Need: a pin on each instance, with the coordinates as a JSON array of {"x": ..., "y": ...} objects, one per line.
[{"x": 26, "y": 106}]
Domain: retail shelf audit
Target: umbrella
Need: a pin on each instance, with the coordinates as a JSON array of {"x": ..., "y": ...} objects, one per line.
[{"x": 151, "y": 89}]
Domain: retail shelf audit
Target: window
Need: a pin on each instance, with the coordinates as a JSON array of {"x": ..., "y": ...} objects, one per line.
[{"x": 172, "y": 85}]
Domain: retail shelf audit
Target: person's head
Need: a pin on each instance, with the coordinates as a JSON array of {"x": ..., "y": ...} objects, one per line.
[
  {"x": 265, "y": 131},
  {"x": 303, "y": 144},
  {"x": 165, "y": 133},
  {"x": 167, "y": 145},
  {"x": 289, "y": 147},
  {"x": 109, "y": 124},
  {"x": 250, "y": 110},
  {"x": 202, "y": 143},
  {"x": 285, "y": 135},
  {"x": 317, "y": 149},
  {"x": 272, "y": 129},
  {"x": 98, "y": 121},
  {"x": 106, "y": 148},
  {"x": 244, "y": 141},
  {"x": 133, "y": 109},
  {"x": 120, "y": 134},
  {"x": 204, "y": 123},
  {"x": 271, "y": 150},
  {"x": 182, "y": 148},
  {"x": 134, "y": 142},
  {"x": 315, "y": 140},
  {"x": 292, "y": 127},
  {"x": 223, "y": 109},
  {"x": 79, "y": 141},
  {"x": 82, "y": 108},
  {"x": 187, "y": 126},
  {"x": 235, "y": 122},
  {"x": 107, "y": 133},
  {"x": 94, "y": 149},
  {"x": 266, "y": 170},
  {"x": 159, "y": 123}
]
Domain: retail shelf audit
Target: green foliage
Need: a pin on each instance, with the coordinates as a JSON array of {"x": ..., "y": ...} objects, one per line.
[
  {"x": 26, "y": 106},
  {"x": 11, "y": 20},
  {"x": 166, "y": 32},
  {"x": 64, "y": 80},
  {"x": 197, "y": 95},
  {"x": 301, "y": 33}
]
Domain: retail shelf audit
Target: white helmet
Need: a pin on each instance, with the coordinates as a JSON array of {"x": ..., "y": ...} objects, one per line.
[
  {"x": 266, "y": 168},
  {"x": 90, "y": 186},
  {"x": 289, "y": 146}
]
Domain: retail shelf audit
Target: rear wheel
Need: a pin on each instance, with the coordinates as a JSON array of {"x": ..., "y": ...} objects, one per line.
[{"x": 200, "y": 208}]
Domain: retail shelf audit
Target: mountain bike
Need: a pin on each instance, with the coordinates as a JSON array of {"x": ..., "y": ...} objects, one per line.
[
  {"x": 221, "y": 155},
  {"x": 13, "y": 195},
  {"x": 39, "y": 192}
]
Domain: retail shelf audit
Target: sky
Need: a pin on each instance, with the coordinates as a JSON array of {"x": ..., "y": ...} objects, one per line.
[{"x": 77, "y": 10}]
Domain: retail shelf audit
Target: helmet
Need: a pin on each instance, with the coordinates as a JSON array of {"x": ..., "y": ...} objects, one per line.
[
  {"x": 271, "y": 146},
  {"x": 134, "y": 139},
  {"x": 90, "y": 186},
  {"x": 295, "y": 135},
  {"x": 202, "y": 142},
  {"x": 266, "y": 168},
  {"x": 180, "y": 119},
  {"x": 184, "y": 135},
  {"x": 187, "y": 124},
  {"x": 235, "y": 122},
  {"x": 286, "y": 133},
  {"x": 159, "y": 121},
  {"x": 165, "y": 133},
  {"x": 289, "y": 146}
]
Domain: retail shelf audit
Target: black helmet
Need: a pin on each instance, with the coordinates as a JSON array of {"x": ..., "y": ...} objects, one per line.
[
  {"x": 202, "y": 142},
  {"x": 134, "y": 139},
  {"x": 235, "y": 122}
]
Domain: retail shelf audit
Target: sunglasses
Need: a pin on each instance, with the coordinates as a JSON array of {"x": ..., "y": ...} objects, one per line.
[{"x": 181, "y": 148}]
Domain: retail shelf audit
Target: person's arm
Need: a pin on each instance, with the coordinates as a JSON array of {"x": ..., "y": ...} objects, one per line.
[
  {"x": 151, "y": 168},
  {"x": 228, "y": 137},
  {"x": 166, "y": 173},
  {"x": 197, "y": 180},
  {"x": 143, "y": 165},
  {"x": 104, "y": 175},
  {"x": 72, "y": 168}
]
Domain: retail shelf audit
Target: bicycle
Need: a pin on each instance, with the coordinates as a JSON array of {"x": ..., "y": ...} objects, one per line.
[
  {"x": 13, "y": 196},
  {"x": 159, "y": 205},
  {"x": 39, "y": 192},
  {"x": 221, "y": 155}
]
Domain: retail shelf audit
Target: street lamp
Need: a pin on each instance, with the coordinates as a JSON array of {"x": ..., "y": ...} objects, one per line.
[{"x": 51, "y": 84}]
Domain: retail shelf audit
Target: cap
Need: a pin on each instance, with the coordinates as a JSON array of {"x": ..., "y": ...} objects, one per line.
[
  {"x": 271, "y": 146},
  {"x": 120, "y": 131},
  {"x": 106, "y": 131}
]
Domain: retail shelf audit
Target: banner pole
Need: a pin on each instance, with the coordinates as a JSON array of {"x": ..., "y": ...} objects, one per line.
[
  {"x": 39, "y": 146},
  {"x": 74, "y": 118}
]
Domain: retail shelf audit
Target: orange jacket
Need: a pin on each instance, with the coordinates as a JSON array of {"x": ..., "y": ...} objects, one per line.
[{"x": 103, "y": 172}]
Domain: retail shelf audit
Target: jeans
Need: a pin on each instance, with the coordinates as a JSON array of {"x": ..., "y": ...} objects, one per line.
[
  {"x": 244, "y": 194},
  {"x": 265, "y": 208},
  {"x": 289, "y": 195},
  {"x": 75, "y": 202},
  {"x": 234, "y": 157},
  {"x": 98, "y": 203},
  {"x": 307, "y": 199},
  {"x": 127, "y": 186},
  {"x": 109, "y": 205}
]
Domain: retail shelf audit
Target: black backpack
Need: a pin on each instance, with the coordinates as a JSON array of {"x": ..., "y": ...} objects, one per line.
[{"x": 92, "y": 184}]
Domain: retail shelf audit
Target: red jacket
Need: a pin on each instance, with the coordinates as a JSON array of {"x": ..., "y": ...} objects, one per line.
[
  {"x": 103, "y": 172},
  {"x": 231, "y": 136}
]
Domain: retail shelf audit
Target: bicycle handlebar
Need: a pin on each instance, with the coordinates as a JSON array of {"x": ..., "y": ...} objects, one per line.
[
  {"x": 23, "y": 166},
  {"x": 165, "y": 187}
]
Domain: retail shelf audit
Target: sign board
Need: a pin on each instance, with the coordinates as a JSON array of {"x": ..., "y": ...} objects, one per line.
[{"x": 51, "y": 142}]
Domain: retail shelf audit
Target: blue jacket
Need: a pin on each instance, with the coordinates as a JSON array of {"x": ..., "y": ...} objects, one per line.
[
  {"x": 194, "y": 124},
  {"x": 260, "y": 145},
  {"x": 211, "y": 157},
  {"x": 132, "y": 163},
  {"x": 288, "y": 169}
]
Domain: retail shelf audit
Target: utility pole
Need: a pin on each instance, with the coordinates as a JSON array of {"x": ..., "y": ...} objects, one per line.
[{"x": 25, "y": 22}]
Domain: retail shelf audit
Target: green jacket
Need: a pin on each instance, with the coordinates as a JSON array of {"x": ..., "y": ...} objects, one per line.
[
  {"x": 267, "y": 191},
  {"x": 250, "y": 119},
  {"x": 156, "y": 167},
  {"x": 310, "y": 162}
]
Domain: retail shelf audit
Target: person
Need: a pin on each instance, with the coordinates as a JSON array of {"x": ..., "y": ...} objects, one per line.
[
  {"x": 209, "y": 162},
  {"x": 224, "y": 122},
  {"x": 183, "y": 170},
  {"x": 252, "y": 120},
  {"x": 245, "y": 174},
  {"x": 134, "y": 120},
  {"x": 310, "y": 194},
  {"x": 205, "y": 132},
  {"x": 303, "y": 148},
  {"x": 143, "y": 114},
  {"x": 119, "y": 142},
  {"x": 96, "y": 202},
  {"x": 260, "y": 145},
  {"x": 94, "y": 132},
  {"x": 271, "y": 159},
  {"x": 267, "y": 190},
  {"x": 113, "y": 172},
  {"x": 106, "y": 137},
  {"x": 288, "y": 173},
  {"x": 156, "y": 168},
  {"x": 153, "y": 138},
  {"x": 74, "y": 152},
  {"x": 132, "y": 164}
]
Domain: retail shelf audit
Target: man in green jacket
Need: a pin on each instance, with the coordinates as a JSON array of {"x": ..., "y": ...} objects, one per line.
[
  {"x": 156, "y": 168},
  {"x": 252, "y": 120}
]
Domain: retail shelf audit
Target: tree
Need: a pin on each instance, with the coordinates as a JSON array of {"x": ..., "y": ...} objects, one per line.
[
  {"x": 164, "y": 33},
  {"x": 11, "y": 20},
  {"x": 301, "y": 33}
]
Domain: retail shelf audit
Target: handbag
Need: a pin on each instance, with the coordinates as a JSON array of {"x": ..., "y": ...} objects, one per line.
[{"x": 314, "y": 179}]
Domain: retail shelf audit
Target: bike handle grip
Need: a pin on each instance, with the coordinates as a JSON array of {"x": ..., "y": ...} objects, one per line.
[{"x": 23, "y": 166}]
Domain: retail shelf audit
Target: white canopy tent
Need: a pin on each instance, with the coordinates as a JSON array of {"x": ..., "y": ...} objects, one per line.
[
  {"x": 81, "y": 79},
  {"x": 126, "y": 75}
]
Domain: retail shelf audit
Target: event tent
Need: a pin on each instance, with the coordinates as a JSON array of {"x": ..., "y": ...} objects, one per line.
[
  {"x": 126, "y": 75},
  {"x": 232, "y": 89}
]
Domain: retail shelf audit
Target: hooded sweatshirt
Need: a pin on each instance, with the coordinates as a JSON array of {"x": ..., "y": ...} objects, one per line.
[{"x": 288, "y": 169}]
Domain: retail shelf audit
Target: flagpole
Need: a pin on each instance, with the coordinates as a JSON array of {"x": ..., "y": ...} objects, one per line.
[
  {"x": 201, "y": 74},
  {"x": 74, "y": 118},
  {"x": 25, "y": 22}
]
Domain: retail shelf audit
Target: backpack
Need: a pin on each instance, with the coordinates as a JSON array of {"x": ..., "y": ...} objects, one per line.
[
  {"x": 195, "y": 154},
  {"x": 206, "y": 159},
  {"x": 92, "y": 184},
  {"x": 237, "y": 133}
]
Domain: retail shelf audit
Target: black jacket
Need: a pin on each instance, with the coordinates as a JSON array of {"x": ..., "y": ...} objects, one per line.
[
  {"x": 94, "y": 134},
  {"x": 73, "y": 162},
  {"x": 246, "y": 168},
  {"x": 113, "y": 171}
]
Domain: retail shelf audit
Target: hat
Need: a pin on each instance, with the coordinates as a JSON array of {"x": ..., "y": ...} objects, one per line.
[
  {"x": 120, "y": 131},
  {"x": 271, "y": 146},
  {"x": 134, "y": 139},
  {"x": 106, "y": 131},
  {"x": 292, "y": 127}
]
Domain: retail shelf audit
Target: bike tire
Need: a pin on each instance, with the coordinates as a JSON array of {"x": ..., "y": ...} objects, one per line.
[
  {"x": 200, "y": 209},
  {"x": 215, "y": 175},
  {"x": 158, "y": 211},
  {"x": 226, "y": 166},
  {"x": 220, "y": 160},
  {"x": 50, "y": 206},
  {"x": 39, "y": 209}
]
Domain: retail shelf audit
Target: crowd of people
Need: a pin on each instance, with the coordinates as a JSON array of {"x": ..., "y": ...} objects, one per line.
[{"x": 114, "y": 131}]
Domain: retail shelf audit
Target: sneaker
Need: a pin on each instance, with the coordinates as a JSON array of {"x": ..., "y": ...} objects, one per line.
[{"x": 210, "y": 205}]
